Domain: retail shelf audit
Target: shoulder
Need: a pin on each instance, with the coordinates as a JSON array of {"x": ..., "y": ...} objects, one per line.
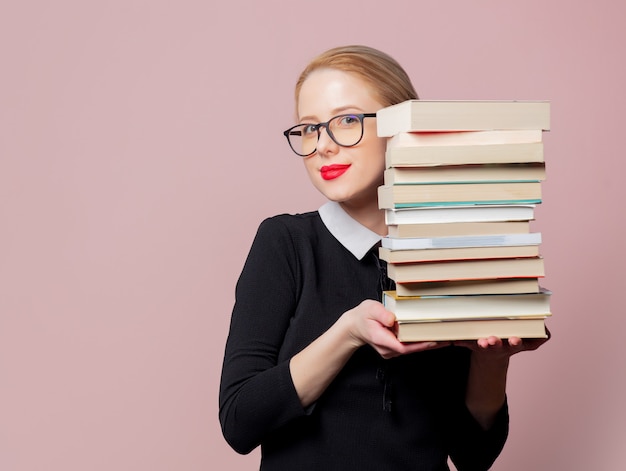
[
  {"x": 286, "y": 239},
  {"x": 294, "y": 236},
  {"x": 293, "y": 225},
  {"x": 294, "y": 220}
]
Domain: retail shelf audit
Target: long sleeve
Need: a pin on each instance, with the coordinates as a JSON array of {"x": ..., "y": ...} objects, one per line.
[
  {"x": 475, "y": 449},
  {"x": 256, "y": 391}
]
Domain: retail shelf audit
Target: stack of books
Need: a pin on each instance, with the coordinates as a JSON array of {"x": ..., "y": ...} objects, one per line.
[{"x": 461, "y": 185}]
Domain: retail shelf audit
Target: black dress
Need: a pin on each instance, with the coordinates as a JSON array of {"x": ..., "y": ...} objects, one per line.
[{"x": 407, "y": 413}]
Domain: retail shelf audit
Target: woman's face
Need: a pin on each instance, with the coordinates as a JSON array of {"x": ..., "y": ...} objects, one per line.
[{"x": 347, "y": 175}]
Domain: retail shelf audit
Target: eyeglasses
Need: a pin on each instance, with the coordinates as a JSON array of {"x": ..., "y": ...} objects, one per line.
[{"x": 345, "y": 130}]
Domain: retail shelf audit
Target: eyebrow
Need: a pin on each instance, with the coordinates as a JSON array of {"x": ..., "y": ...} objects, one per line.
[{"x": 334, "y": 112}]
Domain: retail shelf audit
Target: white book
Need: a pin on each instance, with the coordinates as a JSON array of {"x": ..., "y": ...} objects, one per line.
[
  {"x": 473, "y": 213},
  {"x": 411, "y": 308},
  {"x": 533, "y": 238}
]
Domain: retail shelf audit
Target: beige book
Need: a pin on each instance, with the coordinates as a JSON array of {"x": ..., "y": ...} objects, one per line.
[
  {"x": 458, "y": 229},
  {"x": 470, "y": 329},
  {"x": 461, "y": 287},
  {"x": 457, "y": 253},
  {"x": 462, "y": 115},
  {"x": 528, "y": 267}
]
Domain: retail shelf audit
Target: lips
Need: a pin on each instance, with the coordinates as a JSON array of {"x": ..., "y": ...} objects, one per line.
[{"x": 330, "y": 172}]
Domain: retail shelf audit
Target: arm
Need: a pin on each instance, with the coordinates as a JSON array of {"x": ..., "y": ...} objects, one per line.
[
  {"x": 486, "y": 388},
  {"x": 264, "y": 387},
  {"x": 486, "y": 383},
  {"x": 256, "y": 393},
  {"x": 314, "y": 368},
  {"x": 483, "y": 423}
]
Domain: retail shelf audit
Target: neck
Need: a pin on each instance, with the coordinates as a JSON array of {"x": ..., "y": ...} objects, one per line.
[{"x": 369, "y": 216}]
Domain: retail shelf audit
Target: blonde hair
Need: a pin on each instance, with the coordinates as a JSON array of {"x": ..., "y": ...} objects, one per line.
[{"x": 388, "y": 80}]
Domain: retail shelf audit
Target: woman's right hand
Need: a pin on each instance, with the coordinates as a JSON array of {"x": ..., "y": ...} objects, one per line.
[{"x": 370, "y": 323}]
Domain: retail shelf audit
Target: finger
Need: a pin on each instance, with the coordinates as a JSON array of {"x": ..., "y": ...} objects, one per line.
[
  {"x": 485, "y": 343},
  {"x": 387, "y": 318},
  {"x": 439, "y": 344},
  {"x": 378, "y": 313},
  {"x": 413, "y": 347},
  {"x": 404, "y": 348}
]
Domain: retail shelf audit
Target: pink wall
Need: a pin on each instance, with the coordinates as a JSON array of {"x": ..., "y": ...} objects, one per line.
[{"x": 140, "y": 146}]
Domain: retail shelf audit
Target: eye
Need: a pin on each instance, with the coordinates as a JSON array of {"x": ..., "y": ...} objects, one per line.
[
  {"x": 309, "y": 130},
  {"x": 348, "y": 121}
]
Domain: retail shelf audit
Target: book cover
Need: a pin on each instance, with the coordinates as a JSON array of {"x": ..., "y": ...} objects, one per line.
[
  {"x": 458, "y": 155},
  {"x": 516, "y": 172},
  {"x": 462, "y": 115},
  {"x": 467, "y": 213},
  {"x": 395, "y": 243},
  {"x": 464, "y": 138},
  {"x": 470, "y": 329},
  {"x": 416, "y": 195},
  {"x": 527, "y": 267},
  {"x": 455, "y": 307},
  {"x": 460, "y": 287},
  {"x": 449, "y": 229},
  {"x": 457, "y": 253}
]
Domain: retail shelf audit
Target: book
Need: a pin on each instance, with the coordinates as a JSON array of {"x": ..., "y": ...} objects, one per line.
[
  {"x": 527, "y": 267},
  {"x": 457, "y": 253},
  {"x": 456, "y": 307},
  {"x": 460, "y": 287},
  {"x": 437, "y": 149},
  {"x": 396, "y": 243},
  {"x": 464, "y": 138},
  {"x": 448, "y": 229},
  {"x": 470, "y": 329},
  {"x": 457, "y": 155},
  {"x": 516, "y": 172},
  {"x": 468, "y": 213},
  {"x": 398, "y": 196},
  {"x": 462, "y": 115}
]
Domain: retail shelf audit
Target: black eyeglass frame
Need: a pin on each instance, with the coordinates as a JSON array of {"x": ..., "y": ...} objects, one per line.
[{"x": 318, "y": 126}]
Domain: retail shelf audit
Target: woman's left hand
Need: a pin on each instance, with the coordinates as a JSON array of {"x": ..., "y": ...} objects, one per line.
[
  {"x": 486, "y": 383},
  {"x": 497, "y": 348}
]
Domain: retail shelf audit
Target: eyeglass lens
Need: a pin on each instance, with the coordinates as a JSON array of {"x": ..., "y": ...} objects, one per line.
[{"x": 345, "y": 130}]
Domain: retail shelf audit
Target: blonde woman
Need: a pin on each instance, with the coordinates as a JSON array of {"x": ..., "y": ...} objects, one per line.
[{"x": 312, "y": 372}]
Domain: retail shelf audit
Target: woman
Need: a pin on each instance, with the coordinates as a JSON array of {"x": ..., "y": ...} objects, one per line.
[{"x": 312, "y": 371}]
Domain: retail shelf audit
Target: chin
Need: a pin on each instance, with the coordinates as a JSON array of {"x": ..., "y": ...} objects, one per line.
[
  {"x": 353, "y": 199},
  {"x": 337, "y": 198},
  {"x": 345, "y": 192}
]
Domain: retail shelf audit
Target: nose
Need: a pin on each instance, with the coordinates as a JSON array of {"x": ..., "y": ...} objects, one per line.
[{"x": 325, "y": 143}]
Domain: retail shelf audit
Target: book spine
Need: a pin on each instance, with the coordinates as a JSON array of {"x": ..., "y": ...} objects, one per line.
[{"x": 457, "y": 155}]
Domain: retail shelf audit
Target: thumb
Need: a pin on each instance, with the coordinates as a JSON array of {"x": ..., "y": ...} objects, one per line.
[{"x": 387, "y": 318}]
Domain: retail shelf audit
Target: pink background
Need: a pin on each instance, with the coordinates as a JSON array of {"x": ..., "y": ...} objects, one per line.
[{"x": 140, "y": 147}]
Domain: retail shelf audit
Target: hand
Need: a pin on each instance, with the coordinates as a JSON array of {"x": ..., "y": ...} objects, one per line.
[
  {"x": 372, "y": 324},
  {"x": 497, "y": 348}
]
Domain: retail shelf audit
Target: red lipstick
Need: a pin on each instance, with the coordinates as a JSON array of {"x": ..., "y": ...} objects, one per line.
[{"x": 330, "y": 172}]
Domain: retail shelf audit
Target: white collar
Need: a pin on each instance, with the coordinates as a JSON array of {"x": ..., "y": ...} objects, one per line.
[{"x": 354, "y": 236}]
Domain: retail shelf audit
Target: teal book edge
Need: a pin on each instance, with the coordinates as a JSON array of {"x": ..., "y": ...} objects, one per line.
[{"x": 463, "y": 203}]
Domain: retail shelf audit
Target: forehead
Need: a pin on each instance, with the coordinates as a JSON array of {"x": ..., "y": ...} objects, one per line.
[{"x": 327, "y": 92}]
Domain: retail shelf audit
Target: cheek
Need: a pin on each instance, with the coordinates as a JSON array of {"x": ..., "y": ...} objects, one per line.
[
  {"x": 382, "y": 145},
  {"x": 378, "y": 162},
  {"x": 377, "y": 155}
]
